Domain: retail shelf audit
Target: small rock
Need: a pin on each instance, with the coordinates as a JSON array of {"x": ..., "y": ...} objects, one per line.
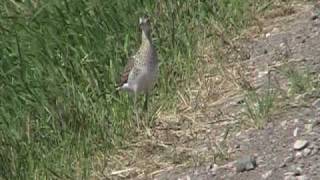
[
  {"x": 213, "y": 169},
  {"x": 299, "y": 155},
  {"x": 300, "y": 144},
  {"x": 295, "y": 132},
  {"x": 267, "y": 174},
  {"x": 306, "y": 151},
  {"x": 268, "y": 35},
  {"x": 246, "y": 163},
  {"x": 303, "y": 41}
]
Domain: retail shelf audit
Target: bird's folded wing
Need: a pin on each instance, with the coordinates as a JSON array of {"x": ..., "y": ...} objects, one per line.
[{"x": 126, "y": 72}]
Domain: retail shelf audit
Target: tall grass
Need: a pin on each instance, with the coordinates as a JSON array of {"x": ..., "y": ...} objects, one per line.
[{"x": 59, "y": 62}]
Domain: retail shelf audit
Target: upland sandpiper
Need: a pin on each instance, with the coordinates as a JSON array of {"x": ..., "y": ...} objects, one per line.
[{"x": 141, "y": 71}]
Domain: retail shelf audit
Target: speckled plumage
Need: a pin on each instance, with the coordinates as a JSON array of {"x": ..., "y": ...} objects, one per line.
[{"x": 141, "y": 71}]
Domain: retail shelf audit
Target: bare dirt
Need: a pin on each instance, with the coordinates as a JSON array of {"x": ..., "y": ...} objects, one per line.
[{"x": 206, "y": 137}]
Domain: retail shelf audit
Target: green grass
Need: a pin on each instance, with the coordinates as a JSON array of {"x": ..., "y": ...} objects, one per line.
[
  {"x": 259, "y": 107},
  {"x": 299, "y": 81},
  {"x": 59, "y": 62}
]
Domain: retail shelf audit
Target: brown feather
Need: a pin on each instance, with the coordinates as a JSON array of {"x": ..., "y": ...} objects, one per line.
[{"x": 126, "y": 72}]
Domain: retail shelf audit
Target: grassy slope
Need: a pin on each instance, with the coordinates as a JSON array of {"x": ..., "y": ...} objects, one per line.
[{"x": 59, "y": 61}]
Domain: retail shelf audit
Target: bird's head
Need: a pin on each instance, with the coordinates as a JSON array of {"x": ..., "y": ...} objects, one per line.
[{"x": 144, "y": 23}]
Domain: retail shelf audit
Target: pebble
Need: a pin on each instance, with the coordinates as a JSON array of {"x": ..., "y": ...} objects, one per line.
[
  {"x": 213, "y": 169},
  {"x": 299, "y": 155},
  {"x": 306, "y": 151},
  {"x": 300, "y": 144},
  {"x": 246, "y": 163},
  {"x": 297, "y": 170},
  {"x": 267, "y": 174},
  {"x": 295, "y": 132}
]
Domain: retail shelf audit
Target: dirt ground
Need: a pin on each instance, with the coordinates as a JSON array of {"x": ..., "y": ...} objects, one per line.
[{"x": 207, "y": 140}]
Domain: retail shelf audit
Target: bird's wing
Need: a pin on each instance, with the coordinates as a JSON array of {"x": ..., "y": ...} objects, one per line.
[{"x": 126, "y": 72}]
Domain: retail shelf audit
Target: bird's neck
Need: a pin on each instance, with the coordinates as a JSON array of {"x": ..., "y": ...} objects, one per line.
[{"x": 146, "y": 39}]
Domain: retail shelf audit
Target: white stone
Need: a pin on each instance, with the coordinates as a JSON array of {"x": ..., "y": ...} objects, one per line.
[
  {"x": 300, "y": 144},
  {"x": 295, "y": 132},
  {"x": 267, "y": 174},
  {"x": 298, "y": 155}
]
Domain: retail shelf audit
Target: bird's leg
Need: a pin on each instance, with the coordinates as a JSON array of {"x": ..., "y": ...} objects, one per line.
[
  {"x": 146, "y": 120},
  {"x": 136, "y": 110},
  {"x": 146, "y": 108},
  {"x": 146, "y": 102}
]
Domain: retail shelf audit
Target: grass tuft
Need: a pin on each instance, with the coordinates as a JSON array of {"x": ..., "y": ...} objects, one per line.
[{"x": 259, "y": 107}]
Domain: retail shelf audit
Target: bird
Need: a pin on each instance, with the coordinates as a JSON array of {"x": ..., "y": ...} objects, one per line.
[{"x": 141, "y": 71}]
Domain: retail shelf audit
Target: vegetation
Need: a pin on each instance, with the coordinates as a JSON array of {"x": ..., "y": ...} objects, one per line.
[
  {"x": 259, "y": 107},
  {"x": 60, "y": 60},
  {"x": 299, "y": 81}
]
